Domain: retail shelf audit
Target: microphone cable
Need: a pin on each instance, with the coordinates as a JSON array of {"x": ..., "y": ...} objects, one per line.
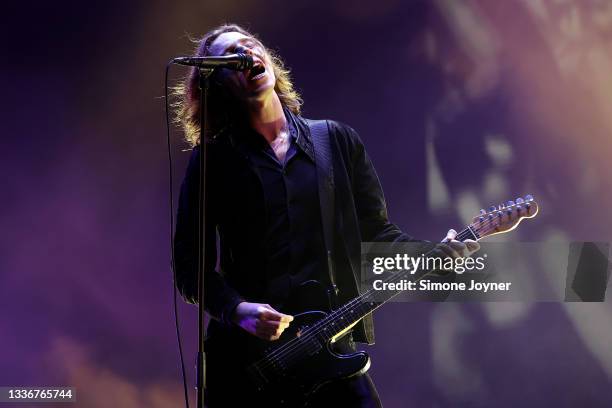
[{"x": 172, "y": 261}]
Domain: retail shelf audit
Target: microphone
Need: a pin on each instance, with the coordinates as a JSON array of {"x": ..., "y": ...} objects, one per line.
[{"x": 237, "y": 62}]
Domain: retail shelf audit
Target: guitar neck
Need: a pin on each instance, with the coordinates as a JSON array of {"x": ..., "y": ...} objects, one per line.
[
  {"x": 350, "y": 313},
  {"x": 497, "y": 220}
]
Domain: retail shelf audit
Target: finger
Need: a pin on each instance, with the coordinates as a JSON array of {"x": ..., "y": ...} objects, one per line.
[
  {"x": 272, "y": 324},
  {"x": 458, "y": 247},
  {"x": 268, "y": 333},
  {"x": 439, "y": 253},
  {"x": 263, "y": 330},
  {"x": 448, "y": 251},
  {"x": 450, "y": 235},
  {"x": 267, "y": 336},
  {"x": 271, "y": 314},
  {"x": 472, "y": 246}
]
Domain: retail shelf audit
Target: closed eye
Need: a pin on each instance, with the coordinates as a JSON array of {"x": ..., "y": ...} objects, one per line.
[{"x": 243, "y": 46}]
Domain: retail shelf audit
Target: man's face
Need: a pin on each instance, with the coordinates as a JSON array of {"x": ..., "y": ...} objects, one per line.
[{"x": 247, "y": 84}]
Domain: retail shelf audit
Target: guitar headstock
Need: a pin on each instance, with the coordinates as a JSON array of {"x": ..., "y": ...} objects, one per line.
[{"x": 504, "y": 217}]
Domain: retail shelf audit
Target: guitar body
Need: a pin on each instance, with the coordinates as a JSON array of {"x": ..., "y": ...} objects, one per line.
[
  {"x": 298, "y": 382},
  {"x": 250, "y": 365}
]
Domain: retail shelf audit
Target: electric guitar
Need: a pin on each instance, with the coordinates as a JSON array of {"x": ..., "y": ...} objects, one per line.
[{"x": 284, "y": 373}]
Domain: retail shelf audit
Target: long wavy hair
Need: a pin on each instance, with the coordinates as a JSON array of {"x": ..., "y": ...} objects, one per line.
[{"x": 223, "y": 107}]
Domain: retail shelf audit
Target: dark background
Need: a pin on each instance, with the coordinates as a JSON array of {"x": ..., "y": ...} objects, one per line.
[{"x": 461, "y": 104}]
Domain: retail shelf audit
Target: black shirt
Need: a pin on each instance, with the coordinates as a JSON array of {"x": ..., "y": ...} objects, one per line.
[{"x": 294, "y": 247}]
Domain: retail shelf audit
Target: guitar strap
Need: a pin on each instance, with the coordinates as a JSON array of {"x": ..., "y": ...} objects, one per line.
[{"x": 319, "y": 132}]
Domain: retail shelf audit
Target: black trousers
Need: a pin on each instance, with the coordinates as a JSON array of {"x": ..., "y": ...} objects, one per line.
[
  {"x": 225, "y": 391},
  {"x": 354, "y": 392}
]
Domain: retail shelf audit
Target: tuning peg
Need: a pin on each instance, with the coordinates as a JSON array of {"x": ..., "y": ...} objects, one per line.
[
  {"x": 482, "y": 211},
  {"x": 528, "y": 197},
  {"x": 481, "y": 219},
  {"x": 499, "y": 207},
  {"x": 520, "y": 200},
  {"x": 510, "y": 203},
  {"x": 492, "y": 208}
]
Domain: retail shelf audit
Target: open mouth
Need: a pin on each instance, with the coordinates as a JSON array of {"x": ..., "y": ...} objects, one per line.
[{"x": 257, "y": 72}]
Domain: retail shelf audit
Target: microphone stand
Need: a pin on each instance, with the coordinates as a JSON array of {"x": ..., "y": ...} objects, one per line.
[{"x": 205, "y": 73}]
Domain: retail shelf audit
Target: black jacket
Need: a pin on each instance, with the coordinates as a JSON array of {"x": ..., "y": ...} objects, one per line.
[{"x": 361, "y": 215}]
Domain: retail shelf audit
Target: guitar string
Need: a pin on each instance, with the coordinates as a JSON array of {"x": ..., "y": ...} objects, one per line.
[
  {"x": 311, "y": 333},
  {"x": 462, "y": 235},
  {"x": 289, "y": 350},
  {"x": 295, "y": 348}
]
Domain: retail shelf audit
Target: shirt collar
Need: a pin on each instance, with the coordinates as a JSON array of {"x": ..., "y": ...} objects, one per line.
[
  {"x": 241, "y": 136},
  {"x": 302, "y": 133}
]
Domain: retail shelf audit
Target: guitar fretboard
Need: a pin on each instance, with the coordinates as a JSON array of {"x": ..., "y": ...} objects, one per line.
[{"x": 350, "y": 313}]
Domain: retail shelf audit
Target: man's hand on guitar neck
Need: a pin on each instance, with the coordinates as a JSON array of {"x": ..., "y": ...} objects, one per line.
[
  {"x": 450, "y": 247},
  {"x": 261, "y": 320}
]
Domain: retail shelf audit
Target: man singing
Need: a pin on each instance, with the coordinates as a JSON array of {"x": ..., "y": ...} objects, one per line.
[{"x": 264, "y": 208}]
